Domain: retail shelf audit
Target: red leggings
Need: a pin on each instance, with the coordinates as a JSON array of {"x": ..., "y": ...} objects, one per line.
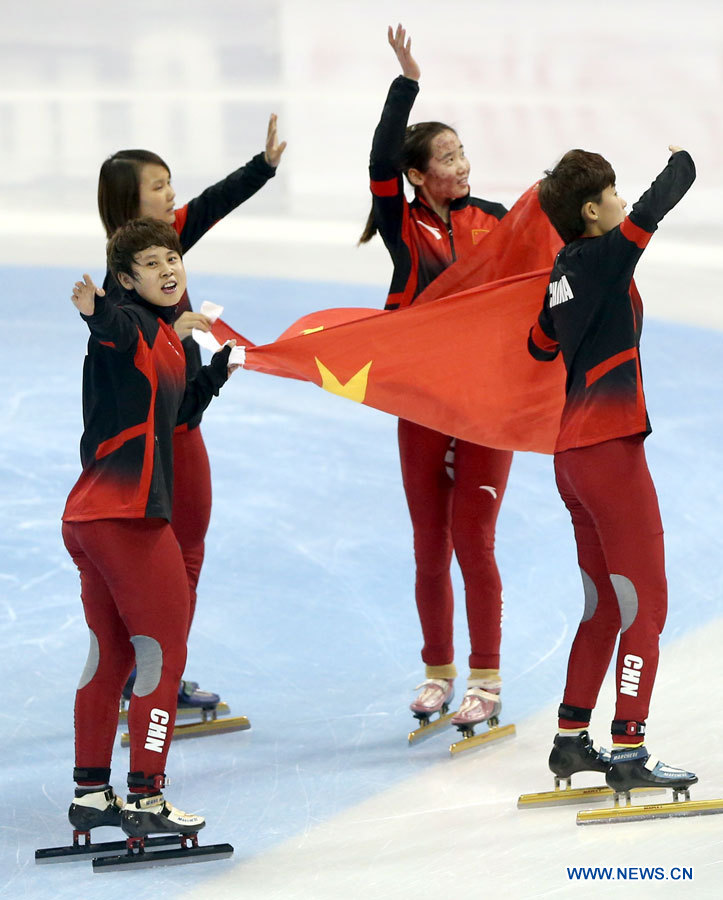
[
  {"x": 454, "y": 508},
  {"x": 135, "y": 598},
  {"x": 191, "y": 503},
  {"x": 614, "y": 508}
]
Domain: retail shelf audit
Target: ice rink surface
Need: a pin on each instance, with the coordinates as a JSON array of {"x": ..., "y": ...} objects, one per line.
[{"x": 306, "y": 619}]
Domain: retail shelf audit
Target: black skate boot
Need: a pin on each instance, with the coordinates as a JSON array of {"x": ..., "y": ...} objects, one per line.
[
  {"x": 146, "y": 814},
  {"x": 93, "y": 807},
  {"x": 190, "y": 696},
  {"x": 576, "y": 753},
  {"x": 636, "y": 768}
]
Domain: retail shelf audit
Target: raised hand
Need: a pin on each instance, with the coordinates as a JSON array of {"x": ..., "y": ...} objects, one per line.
[
  {"x": 674, "y": 149},
  {"x": 83, "y": 295},
  {"x": 274, "y": 149},
  {"x": 402, "y": 47}
]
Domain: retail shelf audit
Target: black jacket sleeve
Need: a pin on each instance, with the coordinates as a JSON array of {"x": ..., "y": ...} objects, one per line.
[
  {"x": 615, "y": 254},
  {"x": 204, "y": 386},
  {"x": 221, "y": 198},
  {"x": 385, "y": 160},
  {"x": 112, "y": 325}
]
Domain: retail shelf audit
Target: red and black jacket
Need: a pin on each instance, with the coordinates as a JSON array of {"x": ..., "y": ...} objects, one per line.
[
  {"x": 593, "y": 314},
  {"x": 420, "y": 243},
  {"x": 193, "y": 221},
  {"x": 134, "y": 394}
]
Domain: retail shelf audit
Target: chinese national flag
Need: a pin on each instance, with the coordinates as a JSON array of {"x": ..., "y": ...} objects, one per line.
[{"x": 459, "y": 364}]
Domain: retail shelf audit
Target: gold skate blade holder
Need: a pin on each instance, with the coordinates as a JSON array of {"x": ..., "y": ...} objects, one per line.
[
  {"x": 472, "y": 740},
  {"x": 429, "y": 727},
  {"x": 200, "y": 729},
  {"x": 185, "y": 712},
  {"x": 631, "y": 813},
  {"x": 569, "y": 795}
]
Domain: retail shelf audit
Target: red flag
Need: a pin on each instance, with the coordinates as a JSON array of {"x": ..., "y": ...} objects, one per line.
[
  {"x": 459, "y": 365},
  {"x": 524, "y": 241}
]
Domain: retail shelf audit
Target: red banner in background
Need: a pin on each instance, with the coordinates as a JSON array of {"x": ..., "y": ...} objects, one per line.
[{"x": 459, "y": 365}]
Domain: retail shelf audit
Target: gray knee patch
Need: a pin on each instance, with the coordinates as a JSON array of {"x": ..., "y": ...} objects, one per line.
[
  {"x": 627, "y": 600},
  {"x": 590, "y": 590},
  {"x": 91, "y": 664},
  {"x": 149, "y": 662}
]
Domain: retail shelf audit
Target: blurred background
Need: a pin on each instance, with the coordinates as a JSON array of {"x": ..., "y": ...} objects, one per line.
[{"x": 522, "y": 81}]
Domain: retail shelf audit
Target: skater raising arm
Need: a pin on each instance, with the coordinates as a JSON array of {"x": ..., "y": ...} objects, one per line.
[
  {"x": 592, "y": 315},
  {"x": 426, "y": 236},
  {"x": 136, "y": 183},
  {"x": 116, "y": 527},
  {"x": 441, "y": 475}
]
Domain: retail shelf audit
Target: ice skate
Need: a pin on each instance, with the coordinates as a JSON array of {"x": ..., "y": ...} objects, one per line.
[
  {"x": 481, "y": 703},
  {"x": 94, "y": 807},
  {"x": 570, "y": 754},
  {"x": 193, "y": 703},
  {"x": 431, "y": 706},
  {"x": 204, "y": 706},
  {"x": 146, "y": 814},
  {"x": 635, "y": 770}
]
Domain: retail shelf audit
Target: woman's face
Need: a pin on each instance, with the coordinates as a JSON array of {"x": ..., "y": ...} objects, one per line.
[
  {"x": 447, "y": 174},
  {"x": 155, "y": 194}
]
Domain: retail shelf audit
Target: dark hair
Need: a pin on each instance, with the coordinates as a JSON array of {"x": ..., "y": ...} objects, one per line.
[
  {"x": 119, "y": 186},
  {"x": 134, "y": 237},
  {"x": 578, "y": 178},
  {"x": 416, "y": 154}
]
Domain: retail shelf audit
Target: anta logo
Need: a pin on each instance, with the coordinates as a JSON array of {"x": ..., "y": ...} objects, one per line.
[
  {"x": 560, "y": 291},
  {"x": 434, "y": 231},
  {"x": 157, "y": 730},
  {"x": 630, "y": 679}
]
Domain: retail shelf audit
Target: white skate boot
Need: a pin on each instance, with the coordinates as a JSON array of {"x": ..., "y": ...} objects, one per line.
[{"x": 481, "y": 703}]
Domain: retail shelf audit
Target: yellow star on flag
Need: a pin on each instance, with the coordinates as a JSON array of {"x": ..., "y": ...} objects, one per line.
[{"x": 354, "y": 389}]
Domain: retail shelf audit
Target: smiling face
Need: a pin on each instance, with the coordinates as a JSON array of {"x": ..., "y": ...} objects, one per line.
[
  {"x": 158, "y": 276},
  {"x": 447, "y": 175},
  {"x": 155, "y": 194}
]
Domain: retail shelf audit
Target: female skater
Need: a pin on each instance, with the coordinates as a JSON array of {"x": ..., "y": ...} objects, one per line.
[
  {"x": 138, "y": 183},
  {"x": 116, "y": 526},
  {"x": 454, "y": 488}
]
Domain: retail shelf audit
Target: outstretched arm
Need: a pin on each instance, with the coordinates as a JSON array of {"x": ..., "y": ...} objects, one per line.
[
  {"x": 199, "y": 215},
  {"x": 107, "y": 323}
]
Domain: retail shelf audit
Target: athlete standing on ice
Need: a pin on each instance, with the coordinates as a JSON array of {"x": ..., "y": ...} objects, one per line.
[
  {"x": 116, "y": 526},
  {"x": 136, "y": 183},
  {"x": 593, "y": 315},
  {"x": 454, "y": 488}
]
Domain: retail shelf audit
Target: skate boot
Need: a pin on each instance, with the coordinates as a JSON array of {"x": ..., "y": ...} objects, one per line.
[
  {"x": 146, "y": 814},
  {"x": 636, "y": 768},
  {"x": 190, "y": 697},
  {"x": 575, "y": 753},
  {"x": 95, "y": 806},
  {"x": 481, "y": 703},
  {"x": 434, "y": 696}
]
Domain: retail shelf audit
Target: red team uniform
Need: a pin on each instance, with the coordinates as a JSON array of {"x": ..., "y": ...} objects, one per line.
[
  {"x": 116, "y": 527},
  {"x": 454, "y": 488},
  {"x": 192, "y": 488}
]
